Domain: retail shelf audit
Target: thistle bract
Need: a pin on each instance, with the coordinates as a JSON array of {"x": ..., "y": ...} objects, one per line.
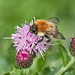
[
  {"x": 72, "y": 46},
  {"x": 24, "y": 59}
]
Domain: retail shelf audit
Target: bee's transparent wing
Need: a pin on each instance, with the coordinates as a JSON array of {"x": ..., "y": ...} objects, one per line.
[
  {"x": 61, "y": 36},
  {"x": 54, "y": 20}
]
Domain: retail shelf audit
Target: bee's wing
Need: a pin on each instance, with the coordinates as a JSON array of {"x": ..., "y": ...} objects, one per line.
[
  {"x": 54, "y": 20},
  {"x": 61, "y": 36}
]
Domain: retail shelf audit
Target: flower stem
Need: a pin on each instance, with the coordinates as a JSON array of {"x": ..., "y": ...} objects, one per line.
[
  {"x": 63, "y": 69},
  {"x": 23, "y": 71}
]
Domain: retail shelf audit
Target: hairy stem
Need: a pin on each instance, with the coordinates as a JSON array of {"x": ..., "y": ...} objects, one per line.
[{"x": 63, "y": 69}]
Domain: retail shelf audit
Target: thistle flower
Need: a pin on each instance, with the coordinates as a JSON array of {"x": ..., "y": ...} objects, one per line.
[
  {"x": 27, "y": 42},
  {"x": 24, "y": 59},
  {"x": 72, "y": 46}
]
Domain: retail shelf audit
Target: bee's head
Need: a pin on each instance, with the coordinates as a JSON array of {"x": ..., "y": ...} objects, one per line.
[{"x": 33, "y": 29}]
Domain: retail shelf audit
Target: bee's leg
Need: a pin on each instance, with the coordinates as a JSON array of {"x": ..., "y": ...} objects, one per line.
[
  {"x": 48, "y": 39},
  {"x": 42, "y": 37}
]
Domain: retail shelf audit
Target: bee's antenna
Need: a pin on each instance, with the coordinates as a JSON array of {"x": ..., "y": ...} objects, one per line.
[{"x": 24, "y": 22}]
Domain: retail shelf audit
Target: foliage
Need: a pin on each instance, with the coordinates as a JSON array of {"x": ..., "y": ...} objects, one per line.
[{"x": 12, "y": 12}]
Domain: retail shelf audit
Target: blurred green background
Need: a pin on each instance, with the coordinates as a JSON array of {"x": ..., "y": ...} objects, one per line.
[{"x": 14, "y": 11}]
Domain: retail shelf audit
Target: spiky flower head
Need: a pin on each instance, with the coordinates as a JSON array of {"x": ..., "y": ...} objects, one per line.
[
  {"x": 72, "y": 46},
  {"x": 27, "y": 42},
  {"x": 24, "y": 59}
]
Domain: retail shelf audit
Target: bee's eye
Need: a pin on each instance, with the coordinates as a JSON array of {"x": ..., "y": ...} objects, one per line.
[{"x": 34, "y": 29}]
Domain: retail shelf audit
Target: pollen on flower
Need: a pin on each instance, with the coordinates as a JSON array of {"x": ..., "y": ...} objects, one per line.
[{"x": 27, "y": 42}]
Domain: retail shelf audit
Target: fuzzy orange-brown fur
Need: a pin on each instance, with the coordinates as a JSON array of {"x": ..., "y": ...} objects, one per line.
[{"x": 42, "y": 25}]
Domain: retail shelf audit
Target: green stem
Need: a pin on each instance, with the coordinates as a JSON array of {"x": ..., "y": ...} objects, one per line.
[
  {"x": 63, "y": 69},
  {"x": 23, "y": 71},
  {"x": 13, "y": 71}
]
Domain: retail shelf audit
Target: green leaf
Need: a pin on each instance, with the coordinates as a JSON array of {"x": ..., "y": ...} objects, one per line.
[
  {"x": 12, "y": 56},
  {"x": 14, "y": 72},
  {"x": 6, "y": 74},
  {"x": 64, "y": 54},
  {"x": 46, "y": 71},
  {"x": 41, "y": 63}
]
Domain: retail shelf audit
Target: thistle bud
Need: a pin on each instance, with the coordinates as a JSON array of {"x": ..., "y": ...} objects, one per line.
[
  {"x": 72, "y": 46},
  {"x": 24, "y": 59}
]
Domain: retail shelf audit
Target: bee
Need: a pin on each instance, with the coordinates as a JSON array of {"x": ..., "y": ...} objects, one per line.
[{"x": 47, "y": 29}]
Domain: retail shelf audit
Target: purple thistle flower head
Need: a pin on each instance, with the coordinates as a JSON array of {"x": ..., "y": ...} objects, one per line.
[
  {"x": 24, "y": 59},
  {"x": 72, "y": 46},
  {"x": 27, "y": 42}
]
